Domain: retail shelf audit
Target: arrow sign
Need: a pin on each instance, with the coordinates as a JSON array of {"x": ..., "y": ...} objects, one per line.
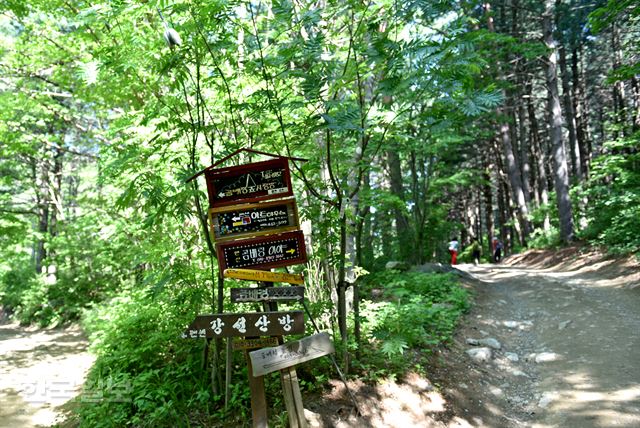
[
  {"x": 250, "y": 182},
  {"x": 267, "y": 294},
  {"x": 262, "y": 275},
  {"x": 267, "y": 360},
  {"x": 253, "y": 219},
  {"x": 285, "y": 249}
]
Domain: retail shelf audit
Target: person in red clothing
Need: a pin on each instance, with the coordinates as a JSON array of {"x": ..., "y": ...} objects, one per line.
[
  {"x": 497, "y": 250},
  {"x": 453, "y": 250}
]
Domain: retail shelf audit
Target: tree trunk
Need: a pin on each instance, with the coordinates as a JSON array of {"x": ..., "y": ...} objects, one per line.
[
  {"x": 619, "y": 96},
  {"x": 580, "y": 114},
  {"x": 539, "y": 155},
  {"x": 635, "y": 86},
  {"x": 561, "y": 176},
  {"x": 513, "y": 169},
  {"x": 576, "y": 165},
  {"x": 524, "y": 153},
  {"x": 41, "y": 172},
  {"x": 402, "y": 224},
  {"x": 488, "y": 204}
]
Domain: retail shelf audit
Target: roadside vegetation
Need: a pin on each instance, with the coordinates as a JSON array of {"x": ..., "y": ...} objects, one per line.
[{"x": 418, "y": 122}]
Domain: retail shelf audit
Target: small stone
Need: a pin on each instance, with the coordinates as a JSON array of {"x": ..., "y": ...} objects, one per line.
[
  {"x": 484, "y": 333},
  {"x": 512, "y": 356},
  {"x": 563, "y": 324},
  {"x": 480, "y": 355},
  {"x": 510, "y": 324},
  {"x": 313, "y": 419},
  {"x": 490, "y": 342},
  {"x": 474, "y": 342},
  {"x": 395, "y": 265},
  {"x": 496, "y": 391},
  {"x": 545, "y": 357},
  {"x": 517, "y": 372},
  {"x": 546, "y": 399}
]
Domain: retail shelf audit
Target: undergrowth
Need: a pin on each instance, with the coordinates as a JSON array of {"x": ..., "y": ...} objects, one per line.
[{"x": 416, "y": 313}]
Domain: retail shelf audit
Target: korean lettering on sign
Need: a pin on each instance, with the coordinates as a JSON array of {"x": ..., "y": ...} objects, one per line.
[{"x": 246, "y": 324}]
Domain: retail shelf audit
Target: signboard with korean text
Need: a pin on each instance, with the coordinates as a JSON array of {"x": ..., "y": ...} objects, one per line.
[
  {"x": 267, "y": 294},
  {"x": 258, "y": 342},
  {"x": 253, "y": 219},
  {"x": 265, "y": 252},
  {"x": 264, "y": 275},
  {"x": 267, "y": 360},
  {"x": 246, "y": 325},
  {"x": 249, "y": 183}
]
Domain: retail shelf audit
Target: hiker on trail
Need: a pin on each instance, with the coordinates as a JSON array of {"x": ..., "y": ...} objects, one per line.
[
  {"x": 476, "y": 251},
  {"x": 453, "y": 250},
  {"x": 497, "y": 249}
]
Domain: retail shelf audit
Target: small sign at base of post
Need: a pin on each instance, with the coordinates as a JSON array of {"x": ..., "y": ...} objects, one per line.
[
  {"x": 267, "y": 360},
  {"x": 259, "y": 342}
]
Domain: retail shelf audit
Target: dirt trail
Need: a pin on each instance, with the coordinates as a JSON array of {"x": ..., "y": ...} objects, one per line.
[
  {"x": 569, "y": 349},
  {"x": 39, "y": 371}
]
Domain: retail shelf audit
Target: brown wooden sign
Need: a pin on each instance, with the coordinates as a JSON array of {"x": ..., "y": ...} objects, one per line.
[
  {"x": 250, "y": 182},
  {"x": 246, "y": 324},
  {"x": 267, "y": 294},
  {"x": 264, "y": 275},
  {"x": 253, "y": 219},
  {"x": 271, "y": 251},
  {"x": 268, "y": 360},
  {"x": 259, "y": 342}
]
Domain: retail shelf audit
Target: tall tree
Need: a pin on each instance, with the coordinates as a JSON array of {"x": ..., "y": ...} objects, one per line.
[{"x": 560, "y": 171}]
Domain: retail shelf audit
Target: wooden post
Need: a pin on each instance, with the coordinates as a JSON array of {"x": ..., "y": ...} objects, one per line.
[
  {"x": 228, "y": 368},
  {"x": 258, "y": 397},
  {"x": 290, "y": 385},
  {"x": 295, "y": 410}
]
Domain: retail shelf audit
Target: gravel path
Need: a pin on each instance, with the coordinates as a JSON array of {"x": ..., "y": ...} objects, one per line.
[
  {"x": 569, "y": 351},
  {"x": 39, "y": 371}
]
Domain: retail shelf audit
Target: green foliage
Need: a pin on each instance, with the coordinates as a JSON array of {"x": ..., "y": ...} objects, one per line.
[
  {"x": 419, "y": 312},
  {"x": 613, "y": 211},
  {"x": 145, "y": 374},
  {"x": 545, "y": 239}
]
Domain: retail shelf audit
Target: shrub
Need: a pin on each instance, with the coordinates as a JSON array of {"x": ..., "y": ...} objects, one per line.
[{"x": 419, "y": 312}]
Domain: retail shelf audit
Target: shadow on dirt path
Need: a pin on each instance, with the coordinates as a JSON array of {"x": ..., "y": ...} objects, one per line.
[
  {"x": 569, "y": 344},
  {"x": 39, "y": 371}
]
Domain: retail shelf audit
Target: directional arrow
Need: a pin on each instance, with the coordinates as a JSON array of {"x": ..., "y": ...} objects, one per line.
[{"x": 291, "y": 251}]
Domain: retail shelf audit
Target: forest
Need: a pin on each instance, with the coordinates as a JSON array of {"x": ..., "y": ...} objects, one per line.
[{"x": 406, "y": 124}]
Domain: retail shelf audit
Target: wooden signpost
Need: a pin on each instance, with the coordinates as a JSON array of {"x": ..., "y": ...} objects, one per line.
[
  {"x": 264, "y": 252},
  {"x": 267, "y": 360},
  {"x": 263, "y": 218},
  {"x": 249, "y": 183},
  {"x": 264, "y": 275},
  {"x": 246, "y": 325},
  {"x": 252, "y": 233}
]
